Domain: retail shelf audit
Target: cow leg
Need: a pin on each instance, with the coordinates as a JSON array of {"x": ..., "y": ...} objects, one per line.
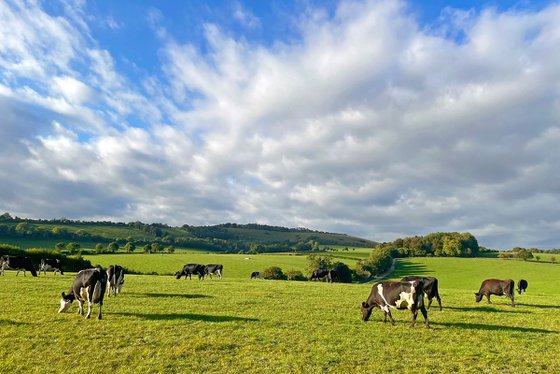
[
  {"x": 488, "y": 297},
  {"x": 512, "y": 302},
  {"x": 99, "y": 315},
  {"x": 81, "y": 307},
  {"x": 414, "y": 311},
  {"x": 439, "y": 302},
  {"x": 88, "y": 309},
  {"x": 391, "y": 317},
  {"x": 425, "y": 315},
  {"x": 429, "y": 303}
]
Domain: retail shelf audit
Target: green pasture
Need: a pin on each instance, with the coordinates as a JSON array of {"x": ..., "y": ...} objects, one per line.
[
  {"x": 237, "y": 325},
  {"x": 235, "y": 265}
]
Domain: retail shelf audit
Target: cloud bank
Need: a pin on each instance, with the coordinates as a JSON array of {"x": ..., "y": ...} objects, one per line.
[{"x": 368, "y": 123}]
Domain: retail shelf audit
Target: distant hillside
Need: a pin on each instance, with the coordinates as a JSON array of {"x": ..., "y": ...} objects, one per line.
[{"x": 229, "y": 237}]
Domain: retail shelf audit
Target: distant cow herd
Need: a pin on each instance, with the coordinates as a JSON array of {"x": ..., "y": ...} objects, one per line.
[{"x": 91, "y": 284}]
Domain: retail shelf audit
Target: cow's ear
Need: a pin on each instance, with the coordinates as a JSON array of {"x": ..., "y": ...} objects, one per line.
[
  {"x": 364, "y": 304},
  {"x": 63, "y": 295}
]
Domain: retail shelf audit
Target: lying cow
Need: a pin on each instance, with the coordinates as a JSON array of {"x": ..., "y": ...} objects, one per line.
[
  {"x": 522, "y": 286},
  {"x": 319, "y": 273},
  {"x": 115, "y": 277},
  {"x": 89, "y": 285},
  {"x": 212, "y": 269},
  {"x": 397, "y": 295},
  {"x": 497, "y": 287},
  {"x": 255, "y": 274},
  {"x": 430, "y": 288},
  {"x": 17, "y": 263},
  {"x": 190, "y": 269},
  {"x": 48, "y": 264}
]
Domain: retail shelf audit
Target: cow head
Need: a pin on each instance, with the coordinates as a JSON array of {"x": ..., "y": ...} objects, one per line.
[
  {"x": 366, "y": 310},
  {"x": 478, "y": 296},
  {"x": 178, "y": 274},
  {"x": 65, "y": 302}
]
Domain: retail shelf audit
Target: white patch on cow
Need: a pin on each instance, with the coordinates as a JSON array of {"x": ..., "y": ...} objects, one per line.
[
  {"x": 96, "y": 293},
  {"x": 406, "y": 299},
  {"x": 385, "y": 307},
  {"x": 64, "y": 305},
  {"x": 84, "y": 293}
]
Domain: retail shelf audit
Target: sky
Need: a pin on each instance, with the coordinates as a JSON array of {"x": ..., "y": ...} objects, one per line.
[{"x": 380, "y": 119}]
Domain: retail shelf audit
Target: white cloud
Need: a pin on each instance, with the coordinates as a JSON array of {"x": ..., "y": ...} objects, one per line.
[{"x": 369, "y": 123}]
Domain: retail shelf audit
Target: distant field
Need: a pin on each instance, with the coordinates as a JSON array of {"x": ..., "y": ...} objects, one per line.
[
  {"x": 235, "y": 266},
  {"x": 237, "y": 325}
]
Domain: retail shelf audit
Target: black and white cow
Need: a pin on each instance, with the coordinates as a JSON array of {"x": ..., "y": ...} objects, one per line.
[
  {"x": 255, "y": 274},
  {"x": 497, "y": 287},
  {"x": 430, "y": 288},
  {"x": 212, "y": 269},
  {"x": 190, "y": 269},
  {"x": 397, "y": 295},
  {"x": 48, "y": 264},
  {"x": 89, "y": 285},
  {"x": 17, "y": 263},
  {"x": 319, "y": 273},
  {"x": 522, "y": 286},
  {"x": 115, "y": 277}
]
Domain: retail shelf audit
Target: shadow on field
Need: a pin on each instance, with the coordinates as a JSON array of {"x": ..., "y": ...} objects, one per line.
[
  {"x": 7, "y": 322},
  {"x": 183, "y": 295},
  {"x": 489, "y": 309},
  {"x": 191, "y": 316},
  {"x": 405, "y": 269},
  {"x": 539, "y": 306},
  {"x": 480, "y": 326}
]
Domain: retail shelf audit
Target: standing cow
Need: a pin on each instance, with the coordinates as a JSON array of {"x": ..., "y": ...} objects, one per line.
[
  {"x": 497, "y": 287},
  {"x": 17, "y": 263},
  {"x": 190, "y": 269},
  {"x": 115, "y": 277},
  {"x": 212, "y": 269},
  {"x": 89, "y": 285},
  {"x": 522, "y": 286},
  {"x": 48, "y": 264},
  {"x": 319, "y": 273},
  {"x": 430, "y": 288},
  {"x": 255, "y": 274},
  {"x": 397, "y": 295}
]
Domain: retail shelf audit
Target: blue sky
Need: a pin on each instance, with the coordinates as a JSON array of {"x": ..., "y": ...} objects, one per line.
[{"x": 380, "y": 119}]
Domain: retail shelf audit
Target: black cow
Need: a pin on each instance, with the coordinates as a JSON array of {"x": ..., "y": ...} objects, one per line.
[
  {"x": 17, "y": 263},
  {"x": 190, "y": 269},
  {"x": 48, "y": 264},
  {"x": 115, "y": 277},
  {"x": 497, "y": 287},
  {"x": 430, "y": 288},
  {"x": 209, "y": 270},
  {"x": 255, "y": 274},
  {"x": 397, "y": 295},
  {"x": 522, "y": 286},
  {"x": 89, "y": 285},
  {"x": 332, "y": 276},
  {"x": 319, "y": 273}
]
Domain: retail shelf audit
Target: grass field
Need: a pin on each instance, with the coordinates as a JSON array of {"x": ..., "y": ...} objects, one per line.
[{"x": 236, "y": 325}]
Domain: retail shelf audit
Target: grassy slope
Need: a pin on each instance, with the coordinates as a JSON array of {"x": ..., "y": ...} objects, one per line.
[{"x": 159, "y": 324}]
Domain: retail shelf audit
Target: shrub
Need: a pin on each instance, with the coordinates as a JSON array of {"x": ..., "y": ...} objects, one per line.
[
  {"x": 273, "y": 272},
  {"x": 295, "y": 275},
  {"x": 342, "y": 272}
]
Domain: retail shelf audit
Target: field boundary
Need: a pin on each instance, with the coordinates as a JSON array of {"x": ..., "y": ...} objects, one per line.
[{"x": 385, "y": 274}]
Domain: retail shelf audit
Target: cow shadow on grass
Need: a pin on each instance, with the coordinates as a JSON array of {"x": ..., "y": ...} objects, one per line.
[
  {"x": 164, "y": 295},
  {"x": 486, "y": 309},
  {"x": 7, "y": 322},
  {"x": 480, "y": 326},
  {"x": 183, "y": 316},
  {"x": 540, "y": 306}
]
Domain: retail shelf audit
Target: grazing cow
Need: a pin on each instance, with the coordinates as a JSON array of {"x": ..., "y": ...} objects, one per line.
[
  {"x": 497, "y": 287},
  {"x": 255, "y": 274},
  {"x": 522, "y": 286},
  {"x": 319, "y": 273},
  {"x": 212, "y": 269},
  {"x": 430, "y": 288},
  {"x": 17, "y": 263},
  {"x": 115, "y": 277},
  {"x": 190, "y": 269},
  {"x": 48, "y": 264},
  {"x": 89, "y": 286},
  {"x": 397, "y": 295}
]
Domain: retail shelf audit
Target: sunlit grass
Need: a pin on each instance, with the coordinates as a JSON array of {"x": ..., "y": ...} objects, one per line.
[{"x": 160, "y": 324}]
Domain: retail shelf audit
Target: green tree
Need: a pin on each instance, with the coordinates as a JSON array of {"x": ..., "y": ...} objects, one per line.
[
  {"x": 156, "y": 247},
  {"x": 273, "y": 272},
  {"x": 60, "y": 246},
  {"x": 72, "y": 247},
  {"x": 316, "y": 261},
  {"x": 170, "y": 249},
  {"x": 130, "y": 247},
  {"x": 113, "y": 247},
  {"x": 99, "y": 248},
  {"x": 147, "y": 248}
]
